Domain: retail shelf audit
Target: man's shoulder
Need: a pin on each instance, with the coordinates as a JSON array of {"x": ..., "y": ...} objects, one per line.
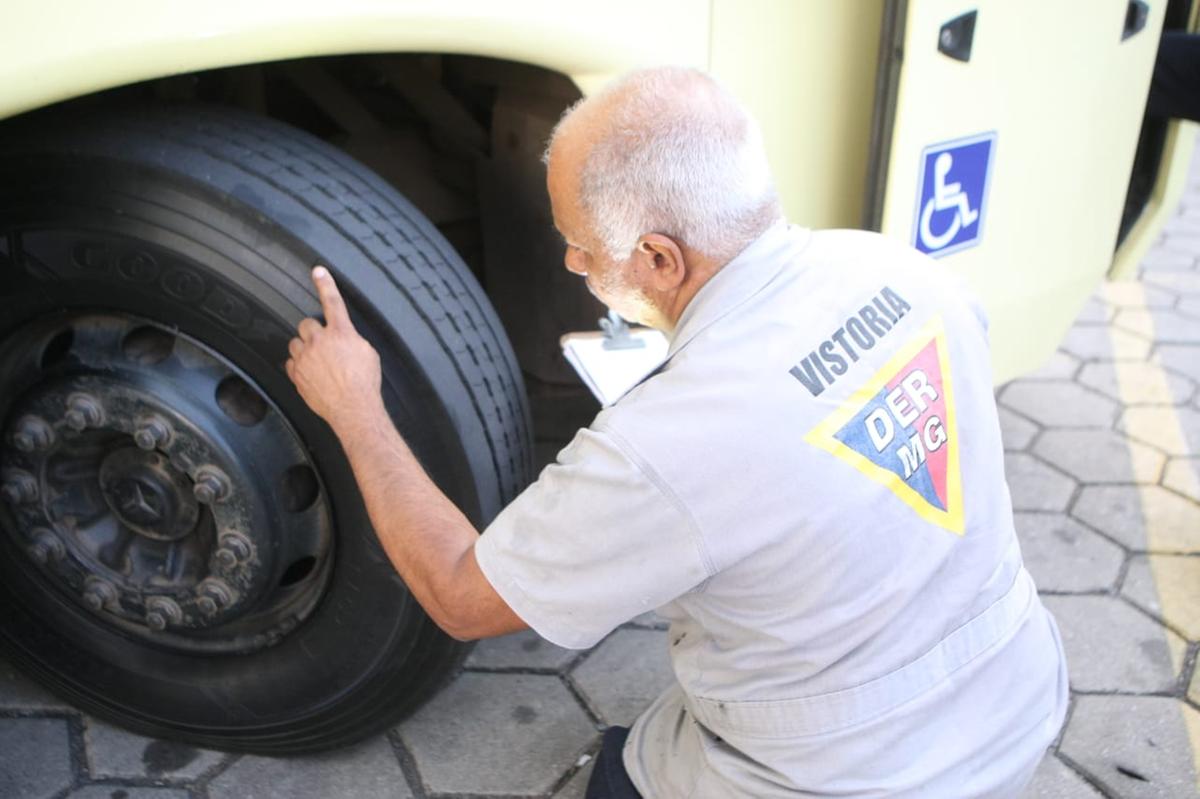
[
  {"x": 869, "y": 255},
  {"x": 649, "y": 406},
  {"x": 658, "y": 417}
]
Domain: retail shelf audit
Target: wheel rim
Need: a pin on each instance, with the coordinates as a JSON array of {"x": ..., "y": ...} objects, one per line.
[{"x": 153, "y": 485}]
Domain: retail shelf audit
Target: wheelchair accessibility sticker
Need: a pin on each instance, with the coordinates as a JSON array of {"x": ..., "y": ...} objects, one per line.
[{"x": 952, "y": 195}]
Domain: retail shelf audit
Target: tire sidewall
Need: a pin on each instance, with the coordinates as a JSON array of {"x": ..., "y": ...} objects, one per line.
[{"x": 160, "y": 265}]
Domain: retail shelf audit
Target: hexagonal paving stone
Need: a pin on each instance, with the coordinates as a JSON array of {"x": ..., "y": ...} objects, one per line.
[
  {"x": 1169, "y": 587},
  {"x": 1134, "y": 294},
  {"x": 1063, "y": 555},
  {"x": 18, "y": 692},
  {"x": 1176, "y": 253},
  {"x": 112, "y": 752},
  {"x": 1137, "y": 382},
  {"x": 113, "y": 792},
  {"x": 1034, "y": 485},
  {"x": 1176, "y": 431},
  {"x": 35, "y": 757},
  {"x": 576, "y": 787},
  {"x": 1181, "y": 358},
  {"x": 1159, "y": 325},
  {"x": 368, "y": 769},
  {"x": 525, "y": 649},
  {"x": 1189, "y": 306},
  {"x": 1057, "y": 403},
  {"x": 1185, "y": 223},
  {"x": 1184, "y": 242},
  {"x": 1141, "y": 517},
  {"x": 625, "y": 674},
  {"x": 1183, "y": 475},
  {"x": 1059, "y": 365},
  {"x": 458, "y": 747},
  {"x": 1015, "y": 431},
  {"x": 1134, "y": 746},
  {"x": 1176, "y": 282},
  {"x": 1100, "y": 456},
  {"x": 1091, "y": 342},
  {"x": 1054, "y": 780},
  {"x": 1094, "y": 311},
  {"x": 1112, "y": 647}
]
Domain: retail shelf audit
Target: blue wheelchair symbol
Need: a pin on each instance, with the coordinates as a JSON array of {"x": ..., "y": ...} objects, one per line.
[{"x": 952, "y": 194}]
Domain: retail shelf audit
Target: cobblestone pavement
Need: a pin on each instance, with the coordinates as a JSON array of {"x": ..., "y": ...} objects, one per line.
[{"x": 1105, "y": 481}]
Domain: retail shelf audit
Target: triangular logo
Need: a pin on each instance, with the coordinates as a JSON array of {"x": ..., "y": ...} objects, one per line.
[{"x": 899, "y": 430}]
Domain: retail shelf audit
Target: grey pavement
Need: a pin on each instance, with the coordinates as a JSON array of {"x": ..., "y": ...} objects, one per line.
[{"x": 1101, "y": 459}]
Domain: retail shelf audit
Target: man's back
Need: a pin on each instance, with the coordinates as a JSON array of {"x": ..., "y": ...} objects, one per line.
[
  {"x": 833, "y": 436},
  {"x": 816, "y": 480}
]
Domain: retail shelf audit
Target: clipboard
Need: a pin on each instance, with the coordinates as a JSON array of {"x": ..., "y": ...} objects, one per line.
[{"x": 610, "y": 371}]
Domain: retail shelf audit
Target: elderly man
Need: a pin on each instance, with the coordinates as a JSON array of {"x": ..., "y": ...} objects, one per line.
[{"x": 810, "y": 489}]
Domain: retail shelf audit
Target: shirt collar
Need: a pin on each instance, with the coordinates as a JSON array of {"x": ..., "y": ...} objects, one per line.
[{"x": 739, "y": 280}]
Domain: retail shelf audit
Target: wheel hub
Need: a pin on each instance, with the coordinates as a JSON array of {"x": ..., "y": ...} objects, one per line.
[
  {"x": 143, "y": 491},
  {"x": 148, "y": 494}
]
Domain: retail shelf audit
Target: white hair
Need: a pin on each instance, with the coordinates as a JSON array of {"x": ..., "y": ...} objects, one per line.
[{"x": 675, "y": 154}]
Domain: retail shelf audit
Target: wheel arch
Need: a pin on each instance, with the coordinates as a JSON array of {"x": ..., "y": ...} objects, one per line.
[{"x": 97, "y": 47}]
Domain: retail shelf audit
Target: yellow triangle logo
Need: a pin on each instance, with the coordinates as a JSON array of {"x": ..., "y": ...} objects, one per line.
[{"x": 899, "y": 430}]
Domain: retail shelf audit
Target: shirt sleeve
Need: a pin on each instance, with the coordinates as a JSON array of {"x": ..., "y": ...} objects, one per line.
[{"x": 595, "y": 541}]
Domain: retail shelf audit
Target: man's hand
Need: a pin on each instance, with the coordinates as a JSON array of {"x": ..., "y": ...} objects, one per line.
[
  {"x": 429, "y": 540},
  {"x": 335, "y": 369}
]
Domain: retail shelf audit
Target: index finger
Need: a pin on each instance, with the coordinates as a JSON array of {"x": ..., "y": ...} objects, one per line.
[{"x": 331, "y": 299}]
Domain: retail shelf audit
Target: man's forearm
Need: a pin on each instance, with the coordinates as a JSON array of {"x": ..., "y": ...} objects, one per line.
[
  {"x": 425, "y": 536},
  {"x": 429, "y": 541}
]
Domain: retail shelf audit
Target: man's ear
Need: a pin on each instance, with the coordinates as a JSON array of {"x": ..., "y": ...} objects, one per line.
[{"x": 662, "y": 259}]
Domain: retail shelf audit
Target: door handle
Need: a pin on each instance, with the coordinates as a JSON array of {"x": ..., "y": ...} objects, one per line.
[
  {"x": 956, "y": 37},
  {"x": 1136, "y": 14}
]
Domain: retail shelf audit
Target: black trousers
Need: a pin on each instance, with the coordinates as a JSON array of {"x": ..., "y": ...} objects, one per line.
[{"x": 609, "y": 779}]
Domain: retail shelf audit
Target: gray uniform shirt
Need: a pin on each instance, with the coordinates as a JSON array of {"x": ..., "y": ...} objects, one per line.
[{"x": 812, "y": 492}]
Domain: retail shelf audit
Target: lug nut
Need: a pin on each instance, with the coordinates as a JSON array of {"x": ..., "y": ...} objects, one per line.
[
  {"x": 46, "y": 547},
  {"x": 233, "y": 550},
  {"x": 83, "y": 411},
  {"x": 214, "y": 595},
  {"x": 218, "y": 590},
  {"x": 32, "y": 434},
  {"x": 98, "y": 593},
  {"x": 162, "y": 611},
  {"x": 19, "y": 487},
  {"x": 151, "y": 434},
  {"x": 211, "y": 486}
]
